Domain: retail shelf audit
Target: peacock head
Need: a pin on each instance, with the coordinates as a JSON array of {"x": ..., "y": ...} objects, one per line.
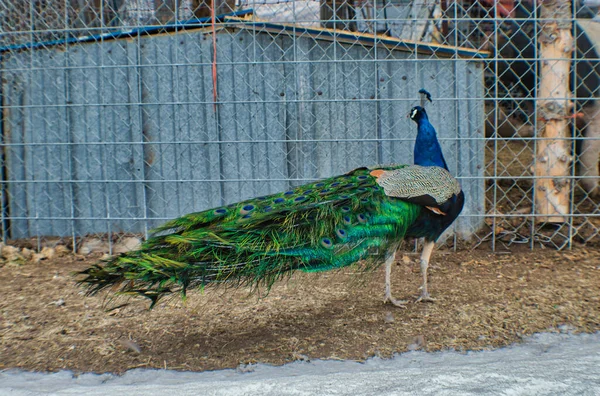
[{"x": 417, "y": 113}]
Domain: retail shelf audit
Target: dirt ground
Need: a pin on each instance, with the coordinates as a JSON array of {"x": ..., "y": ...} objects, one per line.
[{"x": 485, "y": 300}]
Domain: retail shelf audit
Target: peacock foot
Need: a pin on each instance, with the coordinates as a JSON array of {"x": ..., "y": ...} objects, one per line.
[
  {"x": 393, "y": 301},
  {"x": 425, "y": 297}
]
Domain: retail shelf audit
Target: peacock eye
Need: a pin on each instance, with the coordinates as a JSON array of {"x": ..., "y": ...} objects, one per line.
[
  {"x": 246, "y": 209},
  {"x": 341, "y": 233},
  {"x": 326, "y": 243}
]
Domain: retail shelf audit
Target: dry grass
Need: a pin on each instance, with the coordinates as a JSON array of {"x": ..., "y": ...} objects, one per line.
[{"x": 485, "y": 300}]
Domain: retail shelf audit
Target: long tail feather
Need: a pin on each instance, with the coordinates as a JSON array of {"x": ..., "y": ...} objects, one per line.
[{"x": 319, "y": 226}]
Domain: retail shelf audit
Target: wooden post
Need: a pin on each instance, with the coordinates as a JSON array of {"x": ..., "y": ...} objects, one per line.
[{"x": 552, "y": 188}]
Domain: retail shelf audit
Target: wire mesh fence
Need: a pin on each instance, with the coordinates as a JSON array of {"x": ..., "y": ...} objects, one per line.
[{"x": 120, "y": 114}]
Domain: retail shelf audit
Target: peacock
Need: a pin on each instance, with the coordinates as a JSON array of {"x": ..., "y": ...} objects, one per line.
[{"x": 358, "y": 217}]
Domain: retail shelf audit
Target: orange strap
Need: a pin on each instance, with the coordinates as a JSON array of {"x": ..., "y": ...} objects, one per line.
[
  {"x": 575, "y": 115},
  {"x": 572, "y": 116}
]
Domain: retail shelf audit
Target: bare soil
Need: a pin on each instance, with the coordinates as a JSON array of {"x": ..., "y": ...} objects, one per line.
[{"x": 484, "y": 300}]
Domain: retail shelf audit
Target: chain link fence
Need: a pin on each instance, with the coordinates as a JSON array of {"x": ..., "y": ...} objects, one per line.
[{"x": 120, "y": 114}]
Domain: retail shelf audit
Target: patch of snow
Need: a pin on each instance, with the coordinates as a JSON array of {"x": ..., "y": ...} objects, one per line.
[{"x": 546, "y": 364}]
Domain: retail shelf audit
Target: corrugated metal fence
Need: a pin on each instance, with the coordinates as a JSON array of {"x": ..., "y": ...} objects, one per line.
[{"x": 118, "y": 135}]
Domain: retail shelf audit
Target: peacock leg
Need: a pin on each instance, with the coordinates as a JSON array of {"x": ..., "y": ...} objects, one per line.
[
  {"x": 425, "y": 255},
  {"x": 389, "y": 261}
]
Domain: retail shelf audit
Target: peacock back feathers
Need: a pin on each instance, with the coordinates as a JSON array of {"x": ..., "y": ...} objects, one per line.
[{"x": 319, "y": 226}]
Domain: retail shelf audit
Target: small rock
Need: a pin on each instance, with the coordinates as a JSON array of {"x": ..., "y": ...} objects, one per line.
[
  {"x": 11, "y": 253},
  {"x": 48, "y": 253},
  {"x": 389, "y": 317},
  {"x": 105, "y": 257},
  {"x": 27, "y": 253},
  {"x": 93, "y": 245},
  {"x": 59, "y": 303},
  {"x": 418, "y": 342},
  {"x": 300, "y": 356},
  {"x": 406, "y": 260},
  {"x": 127, "y": 244},
  {"x": 61, "y": 250},
  {"x": 566, "y": 328},
  {"x": 247, "y": 368},
  {"x": 131, "y": 346},
  {"x": 37, "y": 257}
]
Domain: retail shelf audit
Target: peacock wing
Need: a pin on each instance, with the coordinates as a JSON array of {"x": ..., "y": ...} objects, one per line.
[{"x": 429, "y": 186}]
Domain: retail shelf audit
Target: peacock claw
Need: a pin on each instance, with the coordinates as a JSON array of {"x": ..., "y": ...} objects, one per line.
[
  {"x": 393, "y": 301},
  {"x": 425, "y": 297}
]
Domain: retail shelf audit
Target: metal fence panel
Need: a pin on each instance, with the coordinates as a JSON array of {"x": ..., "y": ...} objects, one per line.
[
  {"x": 141, "y": 139},
  {"x": 39, "y": 172},
  {"x": 109, "y": 124},
  {"x": 102, "y": 124}
]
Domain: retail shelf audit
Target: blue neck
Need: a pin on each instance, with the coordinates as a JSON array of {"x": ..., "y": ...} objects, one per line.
[{"x": 428, "y": 151}]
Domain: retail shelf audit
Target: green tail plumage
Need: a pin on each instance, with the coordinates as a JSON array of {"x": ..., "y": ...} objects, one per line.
[{"x": 318, "y": 226}]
